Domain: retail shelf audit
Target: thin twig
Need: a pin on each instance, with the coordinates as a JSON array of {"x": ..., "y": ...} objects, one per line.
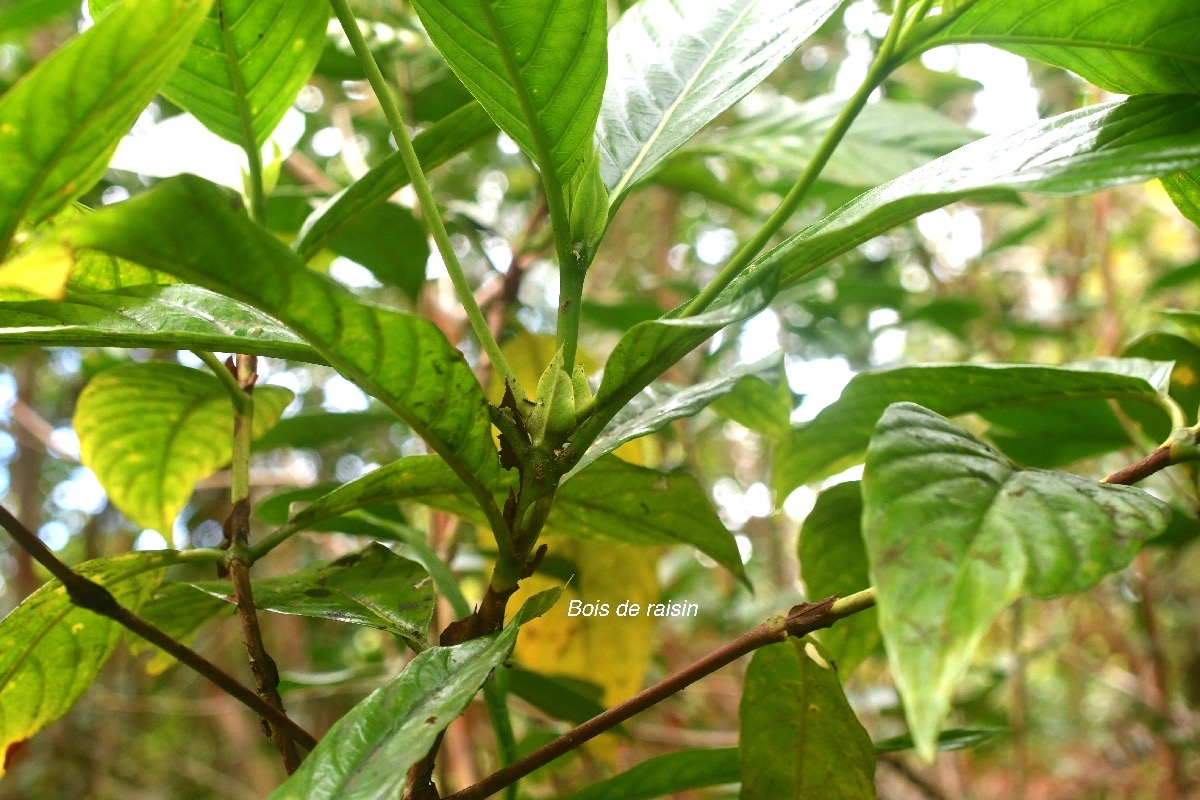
[
  {"x": 1158, "y": 460},
  {"x": 801, "y": 620},
  {"x": 237, "y": 535},
  {"x": 429, "y": 209},
  {"x": 89, "y": 595}
]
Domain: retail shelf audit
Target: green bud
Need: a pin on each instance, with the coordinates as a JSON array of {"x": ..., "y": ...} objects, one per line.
[
  {"x": 552, "y": 420},
  {"x": 587, "y": 204},
  {"x": 579, "y": 383}
]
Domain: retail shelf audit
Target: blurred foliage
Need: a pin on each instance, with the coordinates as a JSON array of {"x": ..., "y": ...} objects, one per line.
[{"x": 1077, "y": 686}]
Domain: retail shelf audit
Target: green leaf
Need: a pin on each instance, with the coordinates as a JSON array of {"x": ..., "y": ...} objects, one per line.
[
  {"x": 648, "y": 349},
  {"x": 675, "y": 66},
  {"x": 436, "y": 145},
  {"x": 176, "y": 317},
  {"x": 953, "y": 739},
  {"x": 800, "y": 739},
  {"x": 619, "y": 502},
  {"x": 1056, "y": 434},
  {"x": 756, "y": 404},
  {"x": 421, "y": 478},
  {"x": 1074, "y": 153},
  {"x": 667, "y": 774},
  {"x": 150, "y": 431},
  {"x": 610, "y": 501},
  {"x": 537, "y": 67},
  {"x": 886, "y": 140},
  {"x": 61, "y": 123},
  {"x": 561, "y": 697},
  {"x": 389, "y": 242},
  {"x": 1184, "y": 190},
  {"x": 51, "y": 650},
  {"x": 955, "y": 533},
  {"x": 658, "y": 405},
  {"x": 318, "y": 429},
  {"x": 367, "y": 753},
  {"x": 833, "y": 560},
  {"x": 247, "y": 63},
  {"x": 186, "y": 227},
  {"x": 31, "y": 14},
  {"x": 1128, "y": 48},
  {"x": 838, "y": 436},
  {"x": 178, "y": 610},
  {"x": 373, "y": 587},
  {"x": 685, "y": 173}
]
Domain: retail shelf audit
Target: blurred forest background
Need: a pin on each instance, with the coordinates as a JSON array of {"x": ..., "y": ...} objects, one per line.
[{"x": 1092, "y": 696}]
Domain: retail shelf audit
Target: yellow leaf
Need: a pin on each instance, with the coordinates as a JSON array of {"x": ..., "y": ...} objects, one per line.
[{"x": 42, "y": 271}]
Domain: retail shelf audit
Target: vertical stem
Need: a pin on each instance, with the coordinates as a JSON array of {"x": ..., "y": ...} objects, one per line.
[
  {"x": 429, "y": 209},
  {"x": 26, "y": 472},
  {"x": 237, "y": 533},
  {"x": 571, "y": 271},
  {"x": 880, "y": 68}
]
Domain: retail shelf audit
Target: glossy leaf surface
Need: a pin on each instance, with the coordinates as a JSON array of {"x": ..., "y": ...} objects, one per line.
[
  {"x": 373, "y": 587},
  {"x": 1128, "y": 48},
  {"x": 955, "y": 532},
  {"x": 616, "y": 501},
  {"x": 611, "y": 501},
  {"x": 799, "y": 737},
  {"x": 658, "y": 405},
  {"x": 51, "y": 651},
  {"x": 177, "y": 317},
  {"x": 833, "y": 561},
  {"x": 1082, "y": 151},
  {"x": 60, "y": 124},
  {"x": 537, "y": 67},
  {"x": 675, "y": 66},
  {"x": 186, "y": 227},
  {"x": 838, "y": 436},
  {"x": 150, "y": 431},
  {"x": 367, "y": 753},
  {"x": 647, "y": 349}
]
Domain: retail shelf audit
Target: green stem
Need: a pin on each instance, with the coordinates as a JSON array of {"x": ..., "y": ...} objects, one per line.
[
  {"x": 570, "y": 301},
  {"x": 571, "y": 267},
  {"x": 391, "y": 110},
  {"x": 257, "y": 196},
  {"x": 236, "y": 395},
  {"x": 881, "y": 67},
  {"x": 243, "y": 425}
]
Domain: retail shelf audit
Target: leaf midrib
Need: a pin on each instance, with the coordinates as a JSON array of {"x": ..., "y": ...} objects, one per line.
[{"x": 669, "y": 112}]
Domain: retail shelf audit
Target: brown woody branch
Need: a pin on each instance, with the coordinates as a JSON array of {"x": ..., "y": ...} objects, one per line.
[
  {"x": 1143, "y": 468},
  {"x": 237, "y": 538},
  {"x": 88, "y": 594},
  {"x": 801, "y": 620}
]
